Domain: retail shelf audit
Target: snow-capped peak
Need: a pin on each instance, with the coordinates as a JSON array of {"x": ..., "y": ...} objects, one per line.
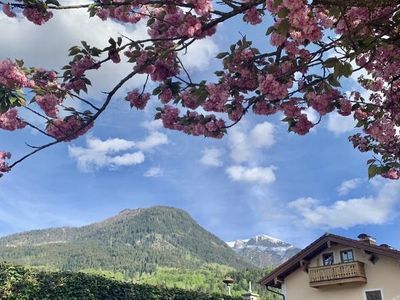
[
  {"x": 255, "y": 240},
  {"x": 267, "y": 237},
  {"x": 263, "y": 250}
]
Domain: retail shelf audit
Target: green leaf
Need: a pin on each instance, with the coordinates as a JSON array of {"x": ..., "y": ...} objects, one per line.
[
  {"x": 283, "y": 12},
  {"x": 347, "y": 69},
  {"x": 150, "y": 21},
  {"x": 283, "y": 27},
  {"x": 92, "y": 10},
  {"x": 373, "y": 170},
  {"x": 19, "y": 62},
  {"x": 74, "y": 51},
  {"x": 156, "y": 91},
  {"x": 270, "y": 30},
  {"x": 112, "y": 42},
  {"x": 54, "y": 2},
  {"x": 330, "y": 62},
  {"x": 332, "y": 79},
  {"x": 222, "y": 55}
]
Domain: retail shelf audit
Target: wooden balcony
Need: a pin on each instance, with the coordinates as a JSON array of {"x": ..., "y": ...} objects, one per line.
[{"x": 337, "y": 274}]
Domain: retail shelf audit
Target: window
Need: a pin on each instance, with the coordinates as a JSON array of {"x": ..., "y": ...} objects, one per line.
[
  {"x": 373, "y": 295},
  {"x": 327, "y": 259},
  {"x": 347, "y": 256}
]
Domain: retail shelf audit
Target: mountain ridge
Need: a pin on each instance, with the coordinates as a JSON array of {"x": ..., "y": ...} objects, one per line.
[
  {"x": 133, "y": 241},
  {"x": 263, "y": 250}
]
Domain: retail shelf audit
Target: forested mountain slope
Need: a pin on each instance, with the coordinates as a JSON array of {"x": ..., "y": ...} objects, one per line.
[{"x": 132, "y": 242}]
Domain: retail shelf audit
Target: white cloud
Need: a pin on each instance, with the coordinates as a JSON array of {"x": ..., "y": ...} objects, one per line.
[
  {"x": 262, "y": 135},
  {"x": 127, "y": 159},
  {"x": 154, "y": 139},
  {"x": 115, "y": 152},
  {"x": 199, "y": 54},
  {"x": 244, "y": 145},
  {"x": 110, "y": 145},
  {"x": 346, "y": 186},
  {"x": 348, "y": 213},
  {"x": 98, "y": 154},
  {"x": 339, "y": 124},
  {"x": 211, "y": 157},
  {"x": 312, "y": 115},
  {"x": 154, "y": 172},
  {"x": 153, "y": 125},
  {"x": 258, "y": 175}
]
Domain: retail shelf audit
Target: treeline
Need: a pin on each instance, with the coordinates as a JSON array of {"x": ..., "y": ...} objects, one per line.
[
  {"x": 18, "y": 282},
  {"x": 208, "y": 279}
]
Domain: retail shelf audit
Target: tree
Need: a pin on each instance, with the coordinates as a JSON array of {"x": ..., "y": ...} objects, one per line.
[{"x": 314, "y": 45}]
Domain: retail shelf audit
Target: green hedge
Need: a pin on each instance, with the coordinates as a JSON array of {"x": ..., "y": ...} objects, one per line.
[{"x": 19, "y": 282}]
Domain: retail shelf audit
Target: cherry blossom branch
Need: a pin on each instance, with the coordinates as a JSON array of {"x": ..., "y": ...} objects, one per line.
[
  {"x": 89, "y": 122},
  {"x": 38, "y": 129},
  {"x": 73, "y": 95}
]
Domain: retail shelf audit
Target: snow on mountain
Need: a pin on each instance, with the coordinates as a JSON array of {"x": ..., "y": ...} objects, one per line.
[{"x": 264, "y": 250}]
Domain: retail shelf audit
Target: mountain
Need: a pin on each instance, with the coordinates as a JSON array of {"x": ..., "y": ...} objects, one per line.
[
  {"x": 133, "y": 242},
  {"x": 263, "y": 250}
]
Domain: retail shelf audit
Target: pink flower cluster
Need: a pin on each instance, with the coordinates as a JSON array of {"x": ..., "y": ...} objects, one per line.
[
  {"x": 192, "y": 123},
  {"x": 272, "y": 88},
  {"x": 3, "y": 164},
  {"x": 345, "y": 107},
  {"x": 202, "y": 7},
  {"x": 304, "y": 24},
  {"x": 241, "y": 71},
  {"x": 123, "y": 13},
  {"x": 68, "y": 129},
  {"x": 9, "y": 120},
  {"x": 8, "y": 11},
  {"x": 159, "y": 69},
  {"x": 189, "y": 100},
  {"x": 38, "y": 15},
  {"x": 264, "y": 107},
  {"x": 218, "y": 95},
  {"x": 45, "y": 79},
  {"x": 138, "y": 99},
  {"x": 48, "y": 103},
  {"x": 383, "y": 130},
  {"x": 236, "y": 112},
  {"x": 252, "y": 16},
  {"x": 80, "y": 66},
  {"x": 302, "y": 125},
  {"x": 360, "y": 142},
  {"x": 392, "y": 174},
  {"x": 165, "y": 95},
  {"x": 323, "y": 103},
  {"x": 12, "y": 77},
  {"x": 173, "y": 22}
]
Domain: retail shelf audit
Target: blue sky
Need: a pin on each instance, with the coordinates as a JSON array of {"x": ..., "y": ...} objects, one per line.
[{"x": 258, "y": 179}]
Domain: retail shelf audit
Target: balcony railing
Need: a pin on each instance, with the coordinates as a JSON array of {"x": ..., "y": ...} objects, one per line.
[{"x": 337, "y": 274}]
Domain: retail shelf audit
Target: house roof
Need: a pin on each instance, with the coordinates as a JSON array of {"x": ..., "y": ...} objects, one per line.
[{"x": 275, "y": 278}]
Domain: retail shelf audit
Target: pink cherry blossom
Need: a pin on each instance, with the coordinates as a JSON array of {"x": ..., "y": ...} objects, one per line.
[
  {"x": 3, "y": 164},
  {"x": 37, "y": 16},
  {"x": 138, "y": 99},
  {"x": 48, "y": 103},
  {"x": 7, "y": 11},
  {"x": 67, "y": 129},
  {"x": 12, "y": 77},
  {"x": 10, "y": 120},
  {"x": 302, "y": 126}
]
